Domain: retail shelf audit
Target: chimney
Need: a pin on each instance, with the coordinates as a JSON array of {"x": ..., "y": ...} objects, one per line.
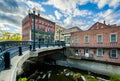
[{"x": 104, "y": 21}]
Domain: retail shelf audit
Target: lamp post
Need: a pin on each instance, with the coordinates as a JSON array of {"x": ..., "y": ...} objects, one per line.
[
  {"x": 34, "y": 30},
  {"x": 34, "y": 18},
  {"x": 59, "y": 36}
]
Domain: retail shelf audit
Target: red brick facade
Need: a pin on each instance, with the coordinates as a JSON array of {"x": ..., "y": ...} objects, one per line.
[
  {"x": 44, "y": 28},
  {"x": 106, "y": 46}
]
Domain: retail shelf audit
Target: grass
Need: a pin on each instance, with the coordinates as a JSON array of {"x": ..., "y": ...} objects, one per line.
[
  {"x": 89, "y": 78},
  {"x": 114, "y": 77}
]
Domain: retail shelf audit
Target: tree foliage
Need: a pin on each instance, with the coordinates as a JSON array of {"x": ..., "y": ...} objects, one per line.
[{"x": 7, "y": 36}]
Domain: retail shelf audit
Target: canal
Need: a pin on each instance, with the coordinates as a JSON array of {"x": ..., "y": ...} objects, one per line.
[{"x": 43, "y": 70}]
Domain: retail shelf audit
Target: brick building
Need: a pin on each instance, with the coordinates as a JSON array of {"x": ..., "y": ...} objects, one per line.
[
  {"x": 44, "y": 29},
  {"x": 100, "y": 43}
]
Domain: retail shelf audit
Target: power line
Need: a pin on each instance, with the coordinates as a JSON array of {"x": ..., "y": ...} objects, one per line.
[{"x": 115, "y": 11}]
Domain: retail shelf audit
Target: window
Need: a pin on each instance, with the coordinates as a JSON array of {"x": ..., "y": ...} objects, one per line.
[
  {"x": 99, "y": 38},
  {"x": 43, "y": 27},
  {"x": 75, "y": 40},
  {"x": 102, "y": 26},
  {"x": 86, "y": 52},
  {"x": 86, "y": 39},
  {"x": 76, "y": 52},
  {"x": 113, "y": 53},
  {"x": 113, "y": 38},
  {"x": 99, "y": 52}
]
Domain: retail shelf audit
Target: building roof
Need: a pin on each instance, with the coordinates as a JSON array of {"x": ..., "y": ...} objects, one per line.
[
  {"x": 99, "y": 25},
  {"x": 58, "y": 26},
  {"x": 72, "y": 29},
  {"x": 39, "y": 17}
]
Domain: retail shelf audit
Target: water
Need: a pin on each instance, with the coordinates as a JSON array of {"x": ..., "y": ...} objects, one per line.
[{"x": 47, "y": 72}]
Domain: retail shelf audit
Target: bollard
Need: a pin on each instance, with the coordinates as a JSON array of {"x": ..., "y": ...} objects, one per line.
[
  {"x": 7, "y": 60},
  {"x": 47, "y": 44},
  {"x": 30, "y": 47},
  {"x": 20, "y": 51},
  {"x": 39, "y": 45}
]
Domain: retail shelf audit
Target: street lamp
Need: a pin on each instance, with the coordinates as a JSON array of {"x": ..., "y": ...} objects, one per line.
[
  {"x": 59, "y": 31},
  {"x": 34, "y": 18}
]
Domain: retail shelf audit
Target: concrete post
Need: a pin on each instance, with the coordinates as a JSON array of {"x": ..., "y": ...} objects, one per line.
[
  {"x": 20, "y": 51},
  {"x": 30, "y": 47},
  {"x": 7, "y": 60}
]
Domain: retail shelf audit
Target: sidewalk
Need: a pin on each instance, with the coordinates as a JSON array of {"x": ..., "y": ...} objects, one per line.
[{"x": 10, "y": 74}]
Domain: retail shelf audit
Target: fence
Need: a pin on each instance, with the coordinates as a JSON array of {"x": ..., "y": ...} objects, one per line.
[{"x": 9, "y": 49}]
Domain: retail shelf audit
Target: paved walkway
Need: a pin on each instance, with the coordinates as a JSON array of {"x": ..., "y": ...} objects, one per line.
[{"x": 10, "y": 74}]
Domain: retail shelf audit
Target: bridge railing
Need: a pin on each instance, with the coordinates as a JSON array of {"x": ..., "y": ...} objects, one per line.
[{"x": 9, "y": 49}]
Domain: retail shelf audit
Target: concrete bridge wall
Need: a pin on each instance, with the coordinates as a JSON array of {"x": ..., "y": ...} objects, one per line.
[{"x": 100, "y": 68}]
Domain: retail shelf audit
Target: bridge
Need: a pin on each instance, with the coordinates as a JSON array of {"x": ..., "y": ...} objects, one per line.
[{"x": 14, "y": 53}]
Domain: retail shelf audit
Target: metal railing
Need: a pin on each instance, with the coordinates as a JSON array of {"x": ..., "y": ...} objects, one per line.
[{"x": 9, "y": 49}]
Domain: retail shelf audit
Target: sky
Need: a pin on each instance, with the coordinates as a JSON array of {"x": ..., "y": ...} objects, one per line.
[{"x": 66, "y": 13}]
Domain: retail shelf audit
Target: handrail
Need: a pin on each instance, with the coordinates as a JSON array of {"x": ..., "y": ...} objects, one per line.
[{"x": 13, "y": 48}]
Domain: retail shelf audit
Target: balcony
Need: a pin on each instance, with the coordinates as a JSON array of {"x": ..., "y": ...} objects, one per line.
[
  {"x": 82, "y": 56},
  {"x": 96, "y": 45}
]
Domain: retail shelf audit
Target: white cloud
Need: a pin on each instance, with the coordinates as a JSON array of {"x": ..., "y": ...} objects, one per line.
[
  {"x": 110, "y": 3},
  {"x": 102, "y": 3},
  {"x": 85, "y": 27},
  {"x": 109, "y": 16},
  {"x": 32, "y": 4},
  {"x": 81, "y": 13},
  {"x": 50, "y": 17},
  {"x": 4, "y": 28},
  {"x": 82, "y": 2},
  {"x": 118, "y": 22},
  {"x": 114, "y": 3},
  {"x": 68, "y": 21},
  {"x": 65, "y": 6},
  {"x": 58, "y": 14},
  {"x": 13, "y": 14}
]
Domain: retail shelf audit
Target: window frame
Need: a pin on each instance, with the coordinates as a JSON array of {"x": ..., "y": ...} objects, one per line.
[
  {"x": 85, "y": 39},
  {"x": 116, "y": 54},
  {"x": 76, "y": 39},
  {"x": 98, "y": 54},
  {"x": 76, "y": 52},
  {"x": 113, "y": 34},
  {"x": 101, "y": 38}
]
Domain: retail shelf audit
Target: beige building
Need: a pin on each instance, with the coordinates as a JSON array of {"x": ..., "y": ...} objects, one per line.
[
  {"x": 59, "y": 33},
  {"x": 67, "y": 34}
]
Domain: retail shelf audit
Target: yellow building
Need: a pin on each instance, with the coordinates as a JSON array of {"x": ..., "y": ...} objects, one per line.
[{"x": 59, "y": 33}]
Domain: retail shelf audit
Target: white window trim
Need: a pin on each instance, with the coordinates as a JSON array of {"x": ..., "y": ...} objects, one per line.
[
  {"x": 87, "y": 54},
  {"x": 116, "y": 53},
  {"x": 112, "y": 34},
  {"x": 97, "y": 38},
  {"x": 76, "y": 39},
  {"x": 84, "y": 39},
  {"x": 97, "y": 52}
]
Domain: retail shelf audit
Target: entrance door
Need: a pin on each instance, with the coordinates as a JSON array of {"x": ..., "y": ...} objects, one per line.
[{"x": 86, "y": 52}]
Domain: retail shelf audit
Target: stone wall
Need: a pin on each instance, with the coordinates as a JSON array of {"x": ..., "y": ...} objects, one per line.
[{"x": 95, "y": 67}]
